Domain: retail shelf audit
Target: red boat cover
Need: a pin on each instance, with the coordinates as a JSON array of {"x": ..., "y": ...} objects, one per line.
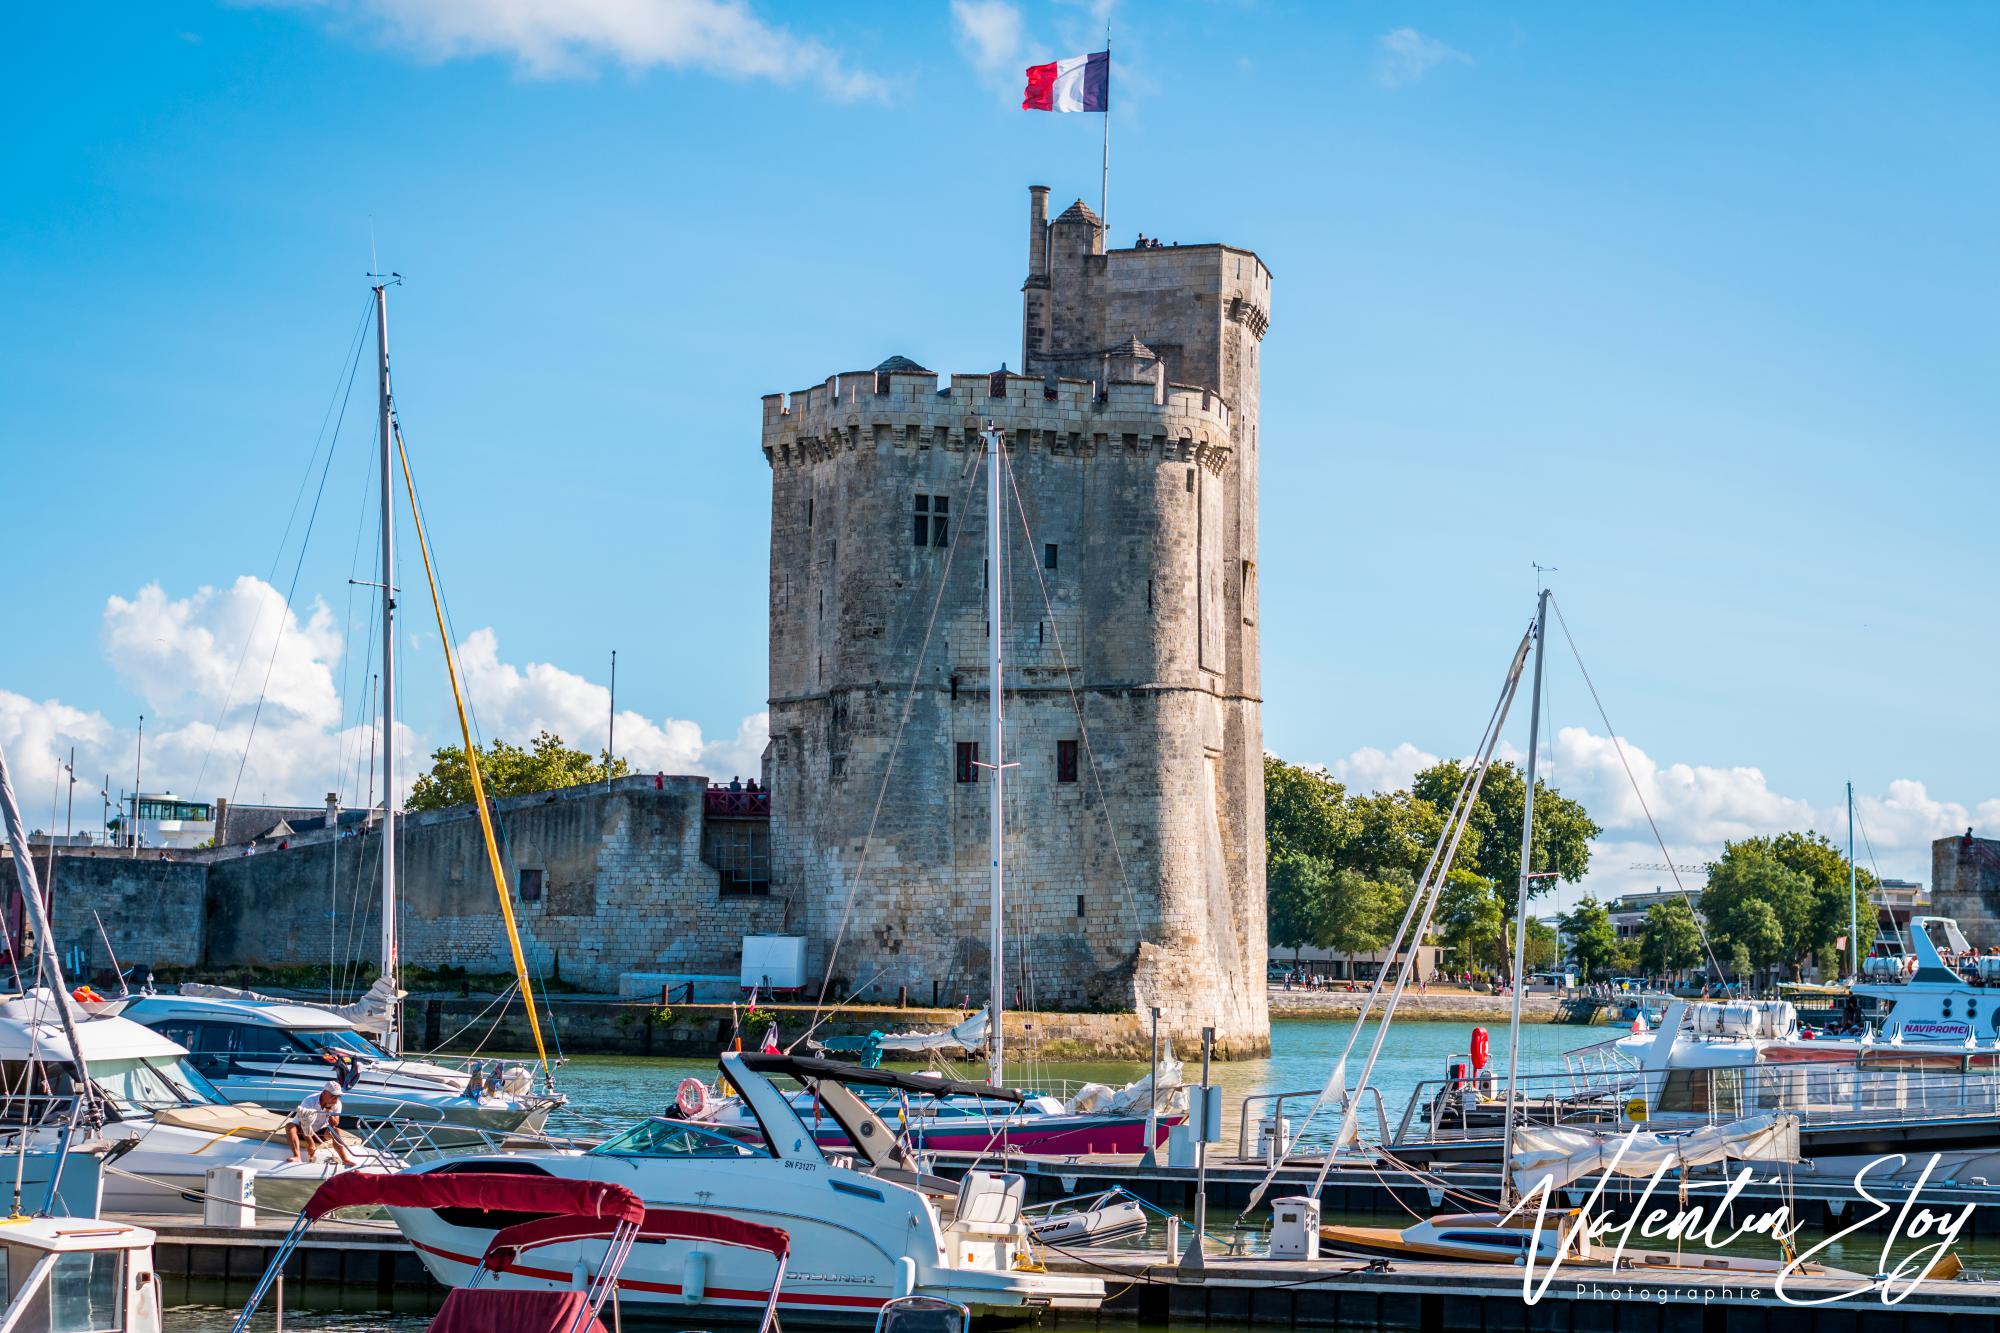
[
  {"x": 660, "y": 1224},
  {"x": 522, "y": 1194},
  {"x": 495, "y": 1310}
]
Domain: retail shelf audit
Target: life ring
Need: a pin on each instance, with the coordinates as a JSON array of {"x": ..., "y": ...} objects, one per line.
[{"x": 691, "y": 1097}]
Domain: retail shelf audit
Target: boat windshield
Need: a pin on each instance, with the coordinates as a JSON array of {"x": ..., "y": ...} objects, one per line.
[
  {"x": 341, "y": 1041},
  {"x": 136, "y": 1087},
  {"x": 661, "y": 1137}
]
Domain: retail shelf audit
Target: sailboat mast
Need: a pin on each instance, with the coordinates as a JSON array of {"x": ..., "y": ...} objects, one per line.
[
  {"x": 997, "y": 1004},
  {"x": 393, "y": 1036},
  {"x": 1521, "y": 904},
  {"x": 1853, "y": 910}
]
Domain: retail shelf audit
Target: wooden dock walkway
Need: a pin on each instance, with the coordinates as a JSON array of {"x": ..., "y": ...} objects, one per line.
[{"x": 1487, "y": 1298}]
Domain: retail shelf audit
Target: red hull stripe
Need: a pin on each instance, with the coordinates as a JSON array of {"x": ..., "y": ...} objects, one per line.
[{"x": 670, "y": 1288}]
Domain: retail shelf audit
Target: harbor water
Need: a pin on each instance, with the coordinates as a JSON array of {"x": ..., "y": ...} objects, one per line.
[{"x": 613, "y": 1091}]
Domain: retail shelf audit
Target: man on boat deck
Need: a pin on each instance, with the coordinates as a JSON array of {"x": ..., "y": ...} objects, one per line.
[{"x": 316, "y": 1122}]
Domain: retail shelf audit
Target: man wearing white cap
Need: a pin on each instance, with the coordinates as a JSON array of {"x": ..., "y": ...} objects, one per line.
[{"x": 316, "y": 1122}]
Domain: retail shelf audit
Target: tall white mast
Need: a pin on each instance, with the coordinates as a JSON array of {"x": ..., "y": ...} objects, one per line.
[
  {"x": 1853, "y": 895},
  {"x": 393, "y": 1037},
  {"x": 1521, "y": 905},
  {"x": 997, "y": 1005}
]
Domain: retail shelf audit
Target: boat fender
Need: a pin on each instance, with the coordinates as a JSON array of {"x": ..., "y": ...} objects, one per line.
[
  {"x": 694, "y": 1277},
  {"x": 906, "y": 1276},
  {"x": 691, "y": 1097}
]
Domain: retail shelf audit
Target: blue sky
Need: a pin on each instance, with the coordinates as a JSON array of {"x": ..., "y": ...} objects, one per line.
[{"x": 1694, "y": 303}]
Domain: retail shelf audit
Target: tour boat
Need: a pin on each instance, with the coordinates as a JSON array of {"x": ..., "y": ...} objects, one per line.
[
  {"x": 274, "y": 1055},
  {"x": 867, "y": 1224}
]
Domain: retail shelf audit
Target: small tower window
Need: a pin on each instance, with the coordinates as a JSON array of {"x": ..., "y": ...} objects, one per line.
[
  {"x": 809, "y": 511},
  {"x": 967, "y": 761},
  {"x": 1079, "y": 905},
  {"x": 531, "y": 884},
  {"x": 1049, "y": 556},
  {"x": 930, "y": 521},
  {"x": 1066, "y": 764}
]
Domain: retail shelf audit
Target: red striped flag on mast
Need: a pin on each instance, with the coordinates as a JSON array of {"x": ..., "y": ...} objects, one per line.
[{"x": 1079, "y": 83}]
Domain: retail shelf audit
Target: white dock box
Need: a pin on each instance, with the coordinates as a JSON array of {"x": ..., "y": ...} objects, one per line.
[
  {"x": 774, "y": 962},
  {"x": 1295, "y": 1228},
  {"x": 232, "y": 1197}
]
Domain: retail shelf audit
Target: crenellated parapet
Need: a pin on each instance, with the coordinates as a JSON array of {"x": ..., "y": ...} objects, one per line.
[{"x": 1146, "y": 422}]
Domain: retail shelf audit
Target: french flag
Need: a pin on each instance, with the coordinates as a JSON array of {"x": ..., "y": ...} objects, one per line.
[{"x": 1080, "y": 83}]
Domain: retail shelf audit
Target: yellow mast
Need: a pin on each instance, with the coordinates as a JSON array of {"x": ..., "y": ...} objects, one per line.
[{"x": 472, "y": 767}]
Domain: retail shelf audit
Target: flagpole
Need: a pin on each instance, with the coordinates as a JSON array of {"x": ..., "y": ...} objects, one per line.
[{"x": 1104, "y": 180}]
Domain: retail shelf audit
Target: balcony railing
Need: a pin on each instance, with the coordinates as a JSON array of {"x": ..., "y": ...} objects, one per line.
[{"x": 733, "y": 804}]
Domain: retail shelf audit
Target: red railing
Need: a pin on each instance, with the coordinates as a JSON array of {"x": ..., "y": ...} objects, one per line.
[{"x": 736, "y": 804}]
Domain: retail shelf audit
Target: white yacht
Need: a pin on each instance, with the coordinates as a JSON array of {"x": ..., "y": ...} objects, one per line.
[
  {"x": 1935, "y": 1008},
  {"x": 165, "y": 1125},
  {"x": 273, "y": 1054},
  {"x": 867, "y": 1225}
]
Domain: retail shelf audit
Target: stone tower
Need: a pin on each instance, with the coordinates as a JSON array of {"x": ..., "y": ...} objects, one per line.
[{"x": 1136, "y": 816}]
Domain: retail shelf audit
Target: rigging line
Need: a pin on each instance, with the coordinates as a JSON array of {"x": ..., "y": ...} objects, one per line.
[
  {"x": 472, "y": 771},
  {"x": 229, "y": 695},
  {"x": 421, "y": 515},
  {"x": 361, "y": 516},
  {"x": 291, "y": 590},
  {"x": 1069, "y": 682},
  {"x": 1423, "y": 900},
  {"x": 1626, "y": 764},
  {"x": 896, "y": 742}
]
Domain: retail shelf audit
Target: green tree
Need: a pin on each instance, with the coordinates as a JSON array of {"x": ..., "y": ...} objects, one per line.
[
  {"x": 1542, "y": 945},
  {"x": 1593, "y": 941},
  {"x": 1362, "y": 913},
  {"x": 508, "y": 770},
  {"x": 1297, "y": 888},
  {"x": 1470, "y": 921},
  {"x": 1492, "y": 845},
  {"x": 1670, "y": 941},
  {"x": 1305, "y": 811}
]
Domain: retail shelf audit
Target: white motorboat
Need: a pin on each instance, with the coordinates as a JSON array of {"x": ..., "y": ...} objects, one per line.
[
  {"x": 80, "y": 1273},
  {"x": 273, "y": 1054},
  {"x": 165, "y": 1125},
  {"x": 867, "y": 1224}
]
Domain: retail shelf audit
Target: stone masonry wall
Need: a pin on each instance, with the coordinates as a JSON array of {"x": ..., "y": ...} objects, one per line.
[
  {"x": 1142, "y": 882},
  {"x": 624, "y": 889},
  {"x": 1965, "y": 885}
]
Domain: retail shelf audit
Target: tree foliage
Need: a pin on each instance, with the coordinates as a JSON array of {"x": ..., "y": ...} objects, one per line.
[
  {"x": 1670, "y": 941},
  {"x": 508, "y": 770},
  {"x": 1342, "y": 865},
  {"x": 1784, "y": 898},
  {"x": 1593, "y": 940},
  {"x": 1492, "y": 846}
]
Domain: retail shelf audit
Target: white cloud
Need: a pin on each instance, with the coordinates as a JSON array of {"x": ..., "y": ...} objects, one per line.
[
  {"x": 518, "y": 701},
  {"x": 199, "y": 662},
  {"x": 1370, "y": 769},
  {"x": 567, "y": 38},
  {"x": 1406, "y": 55},
  {"x": 989, "y": 34},
  {"x": 1698, "y": 808},
  {"x": 213, "y": 650}
]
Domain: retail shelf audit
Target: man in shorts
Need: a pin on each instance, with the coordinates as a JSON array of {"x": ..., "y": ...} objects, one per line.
[{"x": 316, "y": 1122}]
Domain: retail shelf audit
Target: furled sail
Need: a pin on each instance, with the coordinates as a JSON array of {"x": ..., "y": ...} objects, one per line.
[{"x": 1558, "y": 1156}]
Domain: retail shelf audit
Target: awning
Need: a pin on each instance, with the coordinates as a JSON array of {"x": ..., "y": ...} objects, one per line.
[{"x": 436, "y": 1189}]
